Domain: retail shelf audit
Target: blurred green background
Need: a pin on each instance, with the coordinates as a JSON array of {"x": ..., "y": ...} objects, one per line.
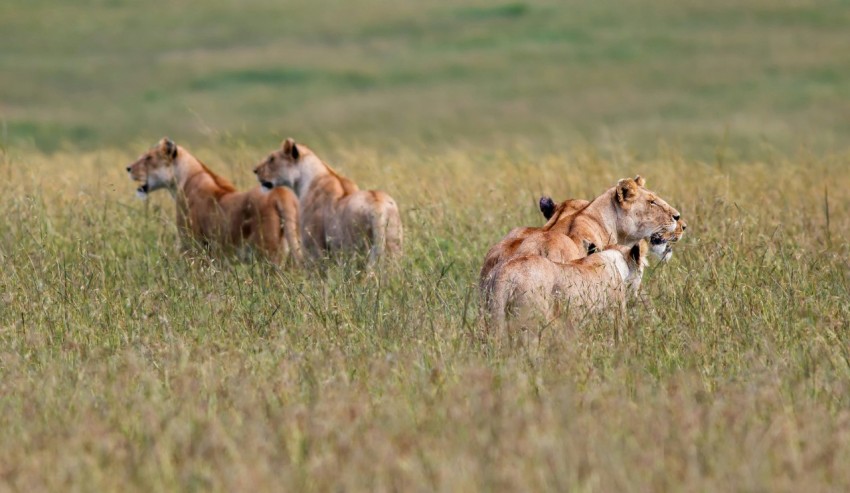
[{"x": 702, "y": 77}]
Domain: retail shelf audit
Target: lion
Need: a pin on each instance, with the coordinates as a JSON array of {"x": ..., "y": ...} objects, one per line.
[
  {"x": 623, "y": 215},
  {"x": 660, "y": 244},
  {"x": 212, "y": 213},
  {"x": 336, "y": 216},
  {"x": 535, "y": 287}
]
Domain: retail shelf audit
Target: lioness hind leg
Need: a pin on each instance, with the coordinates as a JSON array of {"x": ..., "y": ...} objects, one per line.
[
  {"x": 387, "y": 234},
  {"x": 270, "y": 239},
  {"x": 394, "y": 234},
  {"x": 286, "y": 226}
]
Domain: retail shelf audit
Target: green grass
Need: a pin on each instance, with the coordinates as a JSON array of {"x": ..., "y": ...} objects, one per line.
[
  {"x": 127, "y": 367},
  {"x": 550, "y": 74}
]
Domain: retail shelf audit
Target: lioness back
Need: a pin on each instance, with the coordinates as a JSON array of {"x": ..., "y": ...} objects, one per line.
[
  {"x": 532, "y": 241},
  {"x": 533, "y": 286},
  {"x": 368, "y": 217}
]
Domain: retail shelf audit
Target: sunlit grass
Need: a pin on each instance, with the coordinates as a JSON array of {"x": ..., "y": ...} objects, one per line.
[
  {"x": 125, "y": 366},
  {"x": 128, "y": 367}
]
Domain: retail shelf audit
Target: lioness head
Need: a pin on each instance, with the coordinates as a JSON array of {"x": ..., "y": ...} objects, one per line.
[
  {"x": 154, "y": 169},
  {"x": 660, "y": 244},
  {"x": 642, "y": 213},
  {"x": 283, "y": 167}
]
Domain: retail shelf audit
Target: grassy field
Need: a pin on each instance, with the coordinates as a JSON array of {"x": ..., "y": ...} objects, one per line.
[
  {"x": 749, "y": 75},
  {"x": 127, "y": 367}
]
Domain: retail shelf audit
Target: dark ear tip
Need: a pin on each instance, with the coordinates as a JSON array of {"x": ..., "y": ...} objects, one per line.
[
  {"x": 290, "y": 147},
  {"x": 634, "y": 253},
  {"x": 547, "y": 206},
  {"x": 170, "y": 147}
]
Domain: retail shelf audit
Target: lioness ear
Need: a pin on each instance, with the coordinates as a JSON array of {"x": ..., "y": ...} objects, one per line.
[
  {"x": 168, "y": 148},
  {"x": 589, "y": 247},
  {"x": 640, "y": 181},
  {"x": 626, "y": 191},
  {"x": 547, "y": 206},
  {"x": 290, "y": 148}
]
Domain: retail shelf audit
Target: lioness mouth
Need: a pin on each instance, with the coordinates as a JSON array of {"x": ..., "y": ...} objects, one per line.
[
  {"x": 657, "y": 239},
  {"x": 267, "y": 185},
  {"x": 143, "y": 188}
]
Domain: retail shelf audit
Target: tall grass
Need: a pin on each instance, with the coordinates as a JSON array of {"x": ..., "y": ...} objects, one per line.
[
  {"x": 125, "y": 366},
  {"x": 128, "y": 367}
]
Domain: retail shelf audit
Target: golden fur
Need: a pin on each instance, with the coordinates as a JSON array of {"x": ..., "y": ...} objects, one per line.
[
  {"x": 508, "y": 246},
  {"x": 335, "y": 214},
  {"x": 211, "y": 212},
  {"x": 534, "y": 287},
  {"x": 623, "y": 215}
]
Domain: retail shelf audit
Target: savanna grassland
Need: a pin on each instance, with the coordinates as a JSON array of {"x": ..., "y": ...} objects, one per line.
[{"x": 125, "y": 366}]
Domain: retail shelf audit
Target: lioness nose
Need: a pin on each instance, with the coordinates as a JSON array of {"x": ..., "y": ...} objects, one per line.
[
  {"x": 676, "y": 217},
  {"x": 256, "y": 170},
  {"x": 128, "y": 169}
]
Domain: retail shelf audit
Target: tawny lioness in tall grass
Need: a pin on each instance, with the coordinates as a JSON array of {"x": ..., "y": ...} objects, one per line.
[
  {"x": 211, "y": 212},
  {"x": 536, "y": 289},
  {"x": 335, "y": 214},
  {"x": 622, "y": 215},
  {"x": 660, "y": 244}
]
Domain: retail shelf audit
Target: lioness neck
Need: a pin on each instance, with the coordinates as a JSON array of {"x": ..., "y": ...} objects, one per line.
[
  {"x": 185, "y": 167},
  {"x": 597, "y": 223},
  {"x": 190, "y": 172},
  {"x": 615, "y": 259},
  {"x": 312, "y": 169},
  {"x": 314, "y": 172}
]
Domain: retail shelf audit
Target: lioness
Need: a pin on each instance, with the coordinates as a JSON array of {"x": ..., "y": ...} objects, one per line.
[
  {"x": 623, "y": 215},
  {"x": 209, "y": 209},
  {"x": 534, "y": 286},
  {"x": 660, "y": 244},
  {"x": 335, "y": 214}
]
